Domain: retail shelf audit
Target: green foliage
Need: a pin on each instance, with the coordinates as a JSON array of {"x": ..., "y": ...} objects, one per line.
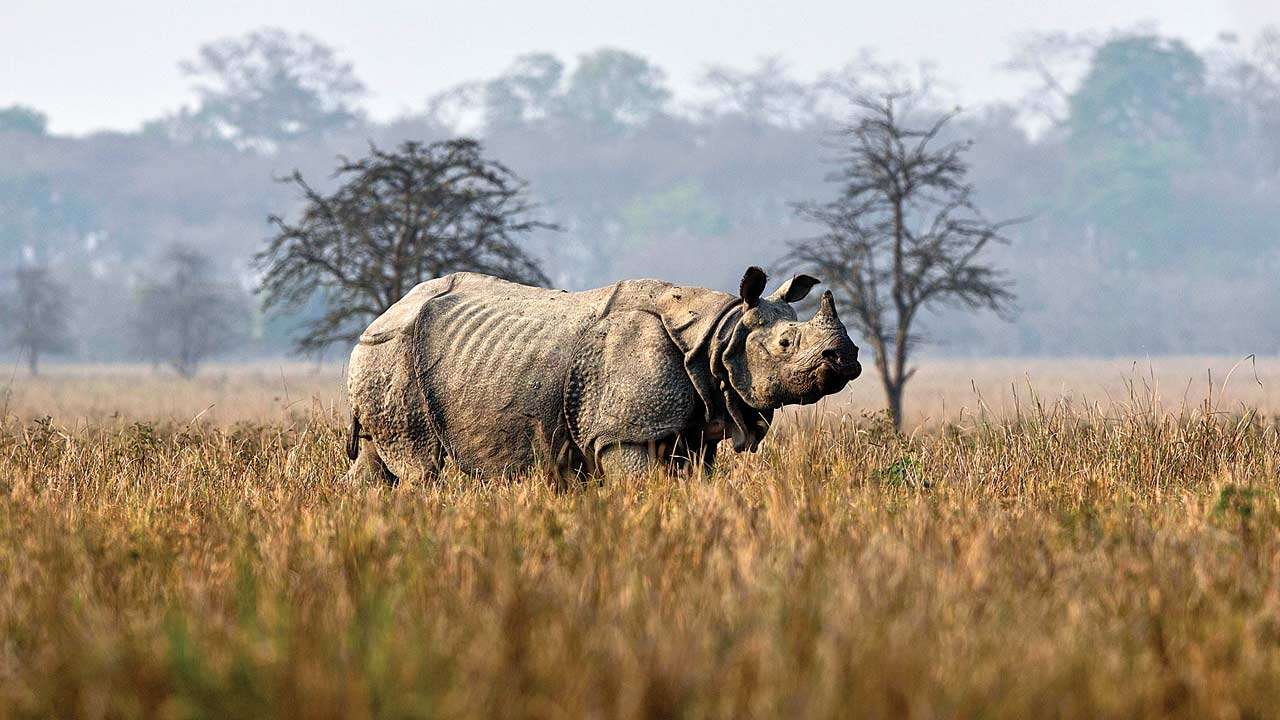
[
  {"x": 1128, "y": 191},
  {"x": 1236, "y": 501},
  {"x": 903, "y": 472},
  {"x": 608, "y": 92},
  {"x": 611, "y": 90},
  {"x": 23, "y": 119},
  {"x": 40, "y": 222},
  {"x": 271, "y": 87},
  {"x": 685, "y": 209},
  {"x": 1143, "y": 90},
  {"x": 528, "y": 92},
  {"x": 1140, "y": 118}
]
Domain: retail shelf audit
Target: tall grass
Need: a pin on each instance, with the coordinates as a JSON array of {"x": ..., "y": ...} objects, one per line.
[
  {"x": 1065, "y": 562},
  {"x": 944, "y": 391}
]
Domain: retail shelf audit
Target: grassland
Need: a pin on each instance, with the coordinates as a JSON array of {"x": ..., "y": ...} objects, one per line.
[
  {"x": 944, "y": 391},
  {"x": 1053, "y": 558}
]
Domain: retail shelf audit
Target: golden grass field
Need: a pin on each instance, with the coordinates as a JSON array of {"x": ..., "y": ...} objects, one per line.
[
  {"x": 944, "y": 391},
  {"x": 1089, "y": 551}
]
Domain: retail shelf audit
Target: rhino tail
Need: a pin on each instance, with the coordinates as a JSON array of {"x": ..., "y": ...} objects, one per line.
[{"x": 353, "y": 442}]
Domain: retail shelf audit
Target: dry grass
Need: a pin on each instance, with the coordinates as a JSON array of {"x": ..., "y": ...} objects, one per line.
[
  {"x": 219, "y": 394},
  {"x": 944, "y": 390},
  {"x": 1058, "y": 563}
]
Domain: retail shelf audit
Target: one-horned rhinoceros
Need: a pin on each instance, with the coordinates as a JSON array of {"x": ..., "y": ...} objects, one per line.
[{"x": 500, "y": 377}]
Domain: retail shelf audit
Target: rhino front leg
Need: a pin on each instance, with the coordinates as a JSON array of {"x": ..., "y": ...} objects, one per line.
[
  {"x": 695, "y": 453},
  {"x": 702, "y": 458}
]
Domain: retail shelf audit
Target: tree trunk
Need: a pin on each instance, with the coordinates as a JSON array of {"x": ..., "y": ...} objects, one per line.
[
  {"x": 186, "y": 369},
  {"x": 893, "y": 394},
  {"x": 891, "y": 381}
]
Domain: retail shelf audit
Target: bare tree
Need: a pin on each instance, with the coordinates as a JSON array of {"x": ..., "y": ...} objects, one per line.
[
  {"x": 1055, "y": 62},
  {"x": 903, "y": 234},
  {"x": 36, "y": 315},
  {"x": 397, "y": 219},
  {"x": 840, "y": 91},
  {"x": 765, "y": 95},
  {"x": 187, "y": 315}
]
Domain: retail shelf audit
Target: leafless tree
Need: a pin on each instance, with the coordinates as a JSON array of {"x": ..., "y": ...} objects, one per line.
[
  {"x": 1054, "y": 61},
  {"x": 840, "y": 91},
  {"x": 397, "y": 219},
  {"x": 187, "y": 315},
  {"x": 903, "y": 234},
  {"x": 36, "y": 315},
  {"x": 765, "y": 95}
]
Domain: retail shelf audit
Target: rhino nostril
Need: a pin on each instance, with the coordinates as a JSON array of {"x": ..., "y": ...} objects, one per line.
[{"x": 832, "y": 355}]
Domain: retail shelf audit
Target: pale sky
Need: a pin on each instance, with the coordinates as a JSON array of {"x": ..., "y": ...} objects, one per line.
[{"x": 95, "y": 65}]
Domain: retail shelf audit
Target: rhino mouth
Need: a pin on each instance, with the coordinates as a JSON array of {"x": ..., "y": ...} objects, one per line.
[
  {"x": 826, "y": 378},
  {"x": 845, "y": 370},
  {"x": 836, "y": 370},
  {"x": 832, "y": 378}
]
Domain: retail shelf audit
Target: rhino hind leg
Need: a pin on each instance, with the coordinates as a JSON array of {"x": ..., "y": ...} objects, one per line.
[
  {"x": 626, "y": 459},
  {"x": 683, "y": 454},
  {"x": 369, "y": 467},
  {"x": 670, "y": 454}
]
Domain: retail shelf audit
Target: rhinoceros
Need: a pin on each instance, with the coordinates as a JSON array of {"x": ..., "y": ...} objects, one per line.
[{"x": 501, "y": 377}]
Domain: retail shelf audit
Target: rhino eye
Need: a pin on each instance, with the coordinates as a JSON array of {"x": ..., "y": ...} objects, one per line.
[{"x": 785, "y": 342}]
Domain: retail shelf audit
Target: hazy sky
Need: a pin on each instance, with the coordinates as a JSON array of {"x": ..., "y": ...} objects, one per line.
[{"x": 94, "y": 64}]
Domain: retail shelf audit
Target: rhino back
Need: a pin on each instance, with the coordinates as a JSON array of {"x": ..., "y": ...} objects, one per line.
[
  {"x": 492, "y": 358},
  {"x": 482, "y": 367}
]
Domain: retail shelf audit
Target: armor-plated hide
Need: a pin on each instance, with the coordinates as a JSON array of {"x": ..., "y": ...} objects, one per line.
[{"x": 499, "y": 376}]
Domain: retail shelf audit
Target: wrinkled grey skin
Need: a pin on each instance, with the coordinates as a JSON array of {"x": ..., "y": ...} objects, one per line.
[{"x": 501, "y": 377}]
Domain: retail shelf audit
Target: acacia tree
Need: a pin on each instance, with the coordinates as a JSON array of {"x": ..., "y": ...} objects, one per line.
[
  {"x": 902, "y": 235},
  {"x": 36, "y": 315},
  {"x": 187, "y": 315},
  {"x": 397, "y": 219}
]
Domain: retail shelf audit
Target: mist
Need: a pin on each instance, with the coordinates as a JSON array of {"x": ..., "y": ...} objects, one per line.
[{"x": 1143, "y": 167}]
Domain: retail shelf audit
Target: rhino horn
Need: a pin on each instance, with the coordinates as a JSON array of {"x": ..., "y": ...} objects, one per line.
[{"x": 827, "y": 309}]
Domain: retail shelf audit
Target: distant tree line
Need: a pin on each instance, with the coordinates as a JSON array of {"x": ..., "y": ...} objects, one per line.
[{"x": 1145, "y": 167}]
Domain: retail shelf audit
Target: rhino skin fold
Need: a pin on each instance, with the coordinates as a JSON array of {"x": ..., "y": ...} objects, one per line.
[{"x": 502, "y": 377}]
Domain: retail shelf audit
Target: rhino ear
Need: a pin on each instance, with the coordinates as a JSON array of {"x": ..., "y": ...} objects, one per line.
[
  {"x": 795, "y": 289},
  {"x": 753, "y": 281}
]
